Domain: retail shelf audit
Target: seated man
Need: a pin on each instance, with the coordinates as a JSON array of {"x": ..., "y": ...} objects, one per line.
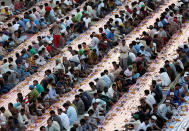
[
  {"x": 179, "y": 94},
  {"x": 164, "y": 110},
  {"x": 31, "y": 27},
  {"x": 21, "y": 73}
]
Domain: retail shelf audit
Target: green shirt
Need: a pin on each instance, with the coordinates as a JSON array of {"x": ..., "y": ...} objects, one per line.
[
  {"x": 34, "y": 94},
  {"x": 33, "y": 51},
  {"x": 39, "y": 88},
  {"x": 74, "y": 19},
  {"x": 81, "y": 52},
  {"x": 78, "y": 16}
]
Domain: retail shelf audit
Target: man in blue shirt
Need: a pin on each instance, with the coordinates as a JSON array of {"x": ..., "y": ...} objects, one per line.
[
  {"x": 71, "y": 112},
  {"x": 21, "y": 23},
  {"x": 50, "y": 75},
  {"x": 110, "y": 37},
  {"x": 106, "y": 79},
  {"x": 177, "y": 95},
  {"x": 146, "y": 53},
  {"x": 52, "y": 92},
  {"x": 136, "y": 46}
]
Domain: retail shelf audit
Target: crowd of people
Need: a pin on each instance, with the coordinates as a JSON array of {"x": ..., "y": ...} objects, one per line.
[
  {"x": 62, "y": 32},
  {"x": 155, "y": 110},
  {"x": 91, "y": 106},
  {"x": 14, "y": 7}
]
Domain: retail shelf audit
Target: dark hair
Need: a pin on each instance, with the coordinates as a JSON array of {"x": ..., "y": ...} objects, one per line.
[
  {"x": 82, "y": 120},
  {"x": 35, "y": 81},
  {"x": 65, "y": 105},
  {"x": 91, "y": 83},
  {"x": 22, "y": 110},
  {"x": 2, "y": 108},
  {"x": 91, "y": 111},
  {"x": 41, "y": 128},
  {"x": 76, "y": 96},
  {"x": 95, "y": 94},
  {"x": 177, "y": 84},
  {"x": 52, "y": 112},
  {"x": 80, "y": 90},
  {"x": 10, "y": 59},
  {"x": 146, "y": 92},
  {"x": 105, "y": 71}
]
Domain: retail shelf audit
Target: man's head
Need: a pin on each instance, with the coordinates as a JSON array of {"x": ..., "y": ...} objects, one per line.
[
  {"x": 65, "y": 105},
  {"x": 42, "y": 128},
  {"x": 31, "y": 87},
  {"x": 95, "y": 95},
  {"x": 93, "y": 87},
  {"x": 49, "y": 122},
  {"x": 77, "y": 97},
  {"x": 60, "y": 111},
  {"x": 167, "y": 102},
  {"x": 146, "y": 92},
  {"x": 35, "y": 82},
  {"x": 82, "y": 122},
  {"x": 177, "y": 86},
  {"x": 123, "y": 42},
  {"x": 22, "y": 111},
  {"x": 2, "y": 109},
  {"x": 142, "y": 102},
  {"x": 146, "y": 120},
  {"x": 153, "y": 119},
  {"x": 91, "y": 112},
  {"x": 53, "y": 85},
  {"x": 130, "y": 67},
  {"x": 52, "y": 113},
  {"x": 142, "y": 48},
  {"x": 47, "y": 72},
  {"x": 114, "y": 86},
  {"x": 86, "y": 116},
  {"x": 106, "y": 72}
]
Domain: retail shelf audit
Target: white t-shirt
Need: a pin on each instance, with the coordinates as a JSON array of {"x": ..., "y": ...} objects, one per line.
[
  {"x": 94, "y": 41},
  {"x": 128, "y": 73},
  {"x": 165, "y": 79},
  {"x": 28, "y": 25},
  {"x": 4, "y": 38},
  {"x": 16, "y": 26},
  {"x": 65, "y": 120},
  {"x": 75, "y": 58},
  {"x": 110, "y": 92},
  {"x": 119, "y": 20},
  {"x": 132, "y": 56},
  {"x": 125, "y": 50},
  {"x": 87, "y": 21},
  {"x": 68, "y": 23},
  {"x": 67, "y": 2},
  {"x": 143, "y": 126},
  {"x": 150, "y": 98},
  {"x": 100, "y": 6},
  {"x": 40, "y": 61}
]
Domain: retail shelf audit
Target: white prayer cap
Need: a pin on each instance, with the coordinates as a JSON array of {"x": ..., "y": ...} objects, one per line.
[
  {"x": 154, "y": 117},
  {"x": 97, "y": 100},
  {"x": 174, "y": 57},
  {"x": 167, "y": 101},
  {"x": 181, "y": 46},
  {"x": 3, "y": 123},
  {"x": 186, "y": 74},
  {"x": 112, "y": 28},
  {"x": 86, "y": 115}
]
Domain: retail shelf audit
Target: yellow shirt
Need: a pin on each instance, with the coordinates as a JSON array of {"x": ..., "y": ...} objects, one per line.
[{"x": 5, "y": 12}]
